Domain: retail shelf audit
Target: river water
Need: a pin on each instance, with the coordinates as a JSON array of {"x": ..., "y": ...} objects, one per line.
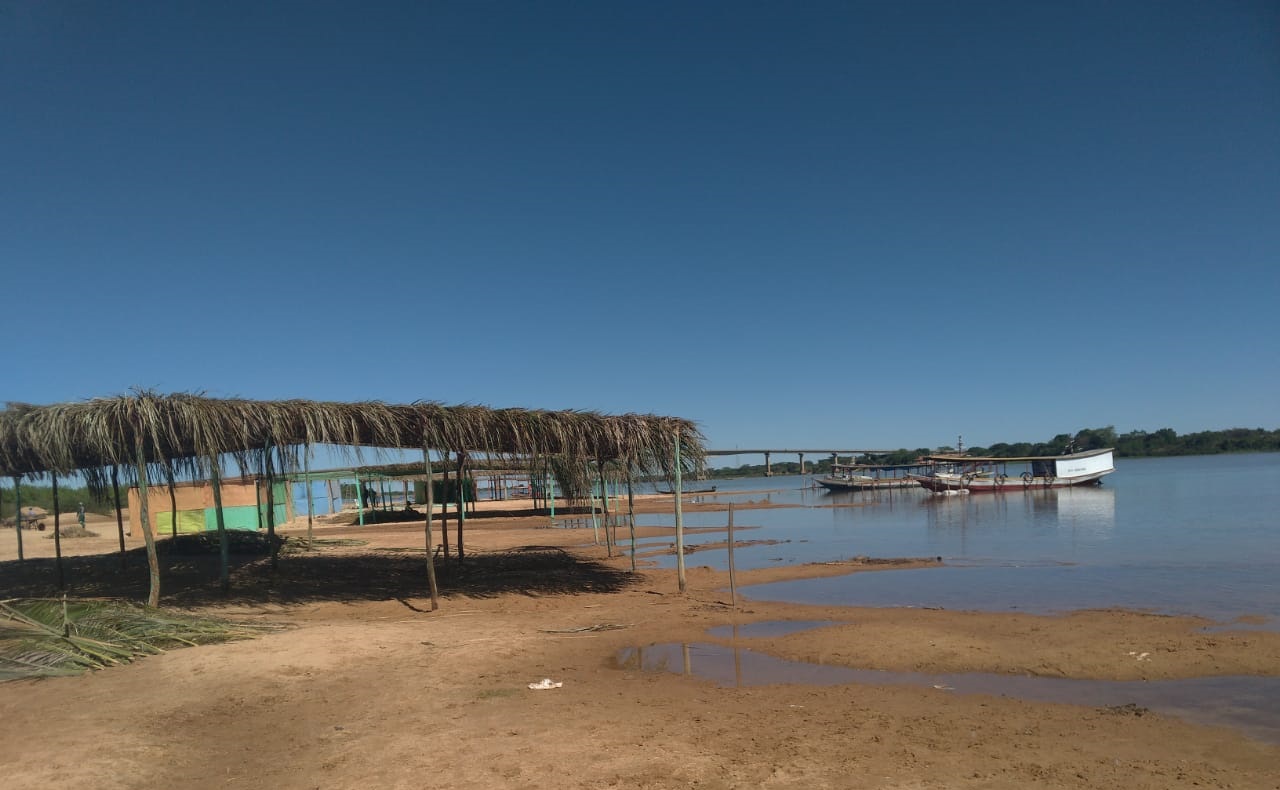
[{"x": 1188, "y": 535}]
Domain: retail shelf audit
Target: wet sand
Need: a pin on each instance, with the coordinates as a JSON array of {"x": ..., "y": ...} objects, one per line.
[{"x": 369, "y": 688}]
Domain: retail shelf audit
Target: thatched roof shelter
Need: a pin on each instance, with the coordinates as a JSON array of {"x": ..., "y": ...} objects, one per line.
[
  {"x": 184, "y": 431},
  {"x": 151, "y": 436}
]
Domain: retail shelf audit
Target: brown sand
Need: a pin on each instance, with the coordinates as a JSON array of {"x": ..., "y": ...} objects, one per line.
[{"x": 384, "y": 693}]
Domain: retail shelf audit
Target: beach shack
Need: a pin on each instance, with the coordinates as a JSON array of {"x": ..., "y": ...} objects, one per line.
[{"x": 244, "y": 505}]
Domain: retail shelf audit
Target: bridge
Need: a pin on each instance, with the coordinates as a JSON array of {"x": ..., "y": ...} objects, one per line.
[{"x": 835, "y": 455}]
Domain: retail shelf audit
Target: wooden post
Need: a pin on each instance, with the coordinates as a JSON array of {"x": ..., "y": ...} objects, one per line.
[
  {"x": 115, "y": 488},
  {"x": 173, "y": 503},
  {"x": 431, "y": 560},
  {"x": 551, "y": 496},
  {"x": 306, "y": 473},
  {"x": 17, "y": 516},
  {"x": 733, "y": 581},
  {"x": 604, "y": 497},
  {"x": 271, "y": 506},
  {"x": 462, "y": 502},
  {"x": 57, "y": 533},
  {"x": 360, "y": 499},
  {"x": 679, "y": 521},
  {"x": 257, "y": 494},
  {"x": 631, "y": 516},
  {"x": 153, "y": 563},
  {"x": 595, "y": 524},
  {"x": 224, "y": 545}
]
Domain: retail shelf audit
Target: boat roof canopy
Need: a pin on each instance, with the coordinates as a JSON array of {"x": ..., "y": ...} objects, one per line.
[{"x": 971, "y": 459}]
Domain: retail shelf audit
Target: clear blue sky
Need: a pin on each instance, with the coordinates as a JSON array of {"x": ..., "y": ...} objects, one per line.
[{"x": 867, "y": 224}]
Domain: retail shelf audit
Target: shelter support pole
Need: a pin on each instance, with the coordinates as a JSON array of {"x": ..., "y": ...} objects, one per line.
[
  {"x": 17, "y": 515},
  {"x": 306, "y": 473},
  {"x": 173, "y": 502},
  {"x": 271, "y": 507},
  {"x": 733, "y": 581},
  {"x": 257, "y": 495},
  {"x": 115, "y": 490},
  {"x": 444, "y": 506},
  {"x": 431, "y": 560},
  {"x": 153, "y": 563},
  {"x": 224, "y": 545},
  {"x": 57, "y": 534},
  {"x": 679, "y": 521},
  {"x": 595, "y": 523},
  {"x": 462, "y": 501},
  {"x": 631, "y": 516},
  {"x": 551, "y": 496},
  {"x": 604, "y": 495},
  {"x": 360, "y": 500}
]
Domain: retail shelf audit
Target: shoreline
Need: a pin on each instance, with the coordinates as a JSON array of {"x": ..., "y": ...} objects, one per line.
[{"x": 362, "y": 688}]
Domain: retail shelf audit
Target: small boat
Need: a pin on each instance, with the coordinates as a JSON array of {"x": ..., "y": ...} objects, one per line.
[
  {"x": 961, "y": 473},
  {"x": 867, "y": 477}
]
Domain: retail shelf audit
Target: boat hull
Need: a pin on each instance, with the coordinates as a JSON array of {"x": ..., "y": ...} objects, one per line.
[
  {"x": 978, "y": 485},
  {"x": 870, "y": 484}
]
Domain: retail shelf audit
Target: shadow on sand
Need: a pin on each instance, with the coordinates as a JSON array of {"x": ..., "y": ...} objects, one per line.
[{"x": 321, "y": 575}]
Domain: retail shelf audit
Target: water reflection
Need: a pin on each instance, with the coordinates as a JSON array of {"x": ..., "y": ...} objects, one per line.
[
  {"x": 766, "y": 628},
  {"x": 1244, "y": 703},
  {"x": 1091, "y": 510}
]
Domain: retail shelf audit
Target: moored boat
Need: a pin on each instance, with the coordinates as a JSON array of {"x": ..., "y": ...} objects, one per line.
[
  {"x": 867, "y": 477},
  {"x": 957, "y": 473}
]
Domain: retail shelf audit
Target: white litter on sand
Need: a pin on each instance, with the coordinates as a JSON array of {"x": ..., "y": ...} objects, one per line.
[{"x": 545, "y": 683}]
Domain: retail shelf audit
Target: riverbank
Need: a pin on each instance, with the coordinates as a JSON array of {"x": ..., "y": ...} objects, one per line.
[{"x": 370, "y": 688}]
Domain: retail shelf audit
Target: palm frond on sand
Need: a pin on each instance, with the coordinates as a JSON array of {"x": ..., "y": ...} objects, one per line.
[{"x": 51, "y": 637}]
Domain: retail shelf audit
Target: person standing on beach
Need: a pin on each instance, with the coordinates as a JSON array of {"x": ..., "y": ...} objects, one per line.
[{"x": 80, "y": 515}]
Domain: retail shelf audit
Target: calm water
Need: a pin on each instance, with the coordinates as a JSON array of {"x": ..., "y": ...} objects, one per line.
[{"x": 1198, "y": 535}]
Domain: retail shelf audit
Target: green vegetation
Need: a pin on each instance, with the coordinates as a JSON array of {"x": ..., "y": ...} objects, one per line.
[
  {"x": 69, "y": 497},
  {"x": 1134, "y": 444}
]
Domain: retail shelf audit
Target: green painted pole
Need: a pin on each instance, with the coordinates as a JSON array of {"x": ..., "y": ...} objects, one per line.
[{"x": 679, "y": 522}]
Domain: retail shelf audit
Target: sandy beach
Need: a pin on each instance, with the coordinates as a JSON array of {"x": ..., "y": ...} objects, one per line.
[{"x": 367, "y": 687}]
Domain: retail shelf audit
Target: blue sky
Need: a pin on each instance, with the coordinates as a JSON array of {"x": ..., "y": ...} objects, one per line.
[{"x": 800, "y": 224}]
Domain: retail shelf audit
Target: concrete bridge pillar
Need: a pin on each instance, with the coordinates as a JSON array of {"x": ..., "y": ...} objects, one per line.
[
  {"x": 767, "y": 471},
  {"x": 801, "y": 462}
]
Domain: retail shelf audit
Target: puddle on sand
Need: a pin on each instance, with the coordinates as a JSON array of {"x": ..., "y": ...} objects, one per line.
[
  {"x": 767, "y": 628},
  {"x": 1244, "y": 703}
]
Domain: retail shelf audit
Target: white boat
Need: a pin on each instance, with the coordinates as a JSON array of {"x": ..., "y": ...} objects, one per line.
[{"x": 955, "y": 473}]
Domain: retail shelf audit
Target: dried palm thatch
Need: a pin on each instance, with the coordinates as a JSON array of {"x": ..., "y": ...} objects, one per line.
[
  {"x": 151, "y": 436},
  {"x": 181, "y": 434},
  {"x": 45, "y": 637}
]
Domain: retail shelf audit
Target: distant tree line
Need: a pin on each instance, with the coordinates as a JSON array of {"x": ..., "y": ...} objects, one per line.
[
  {"x": 69, "y": 498},
  {"x": 1134, "y": 444}
]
